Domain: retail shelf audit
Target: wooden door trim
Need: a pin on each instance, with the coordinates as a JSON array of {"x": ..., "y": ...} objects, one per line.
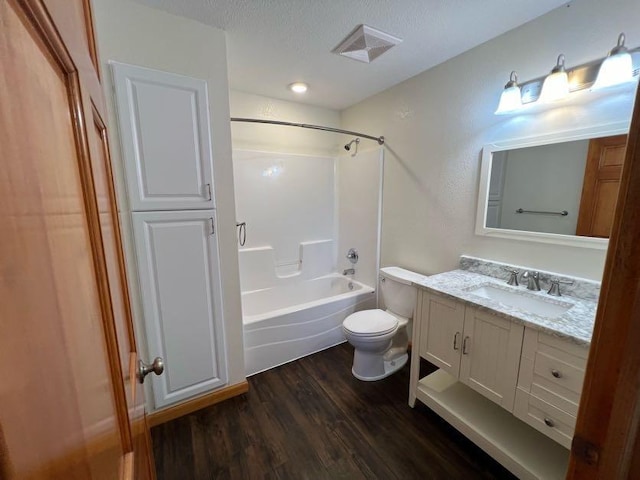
[
  {"x": 608, "y": 417},
  {"x": 115, "y": 220},
  {"x": 162, "y": 416},
  {"x": 40, "y": 20}
]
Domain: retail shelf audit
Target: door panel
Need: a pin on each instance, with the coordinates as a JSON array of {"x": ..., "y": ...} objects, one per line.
[
  {"x": 441, "y": 334},
  {"x": 178, "y": 263},
  {"x": 114, "y": 259},
  {"x": 491, "y": 356},
  {"x": 57, "y": 408},
  {"x": 66, "y": 340},
  {"x": 164, "y": 126},
  {"x": 601, "y": 184}
]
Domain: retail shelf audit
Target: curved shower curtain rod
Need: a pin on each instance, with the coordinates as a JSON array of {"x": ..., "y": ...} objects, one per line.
[{"x": 380, "y": 140}]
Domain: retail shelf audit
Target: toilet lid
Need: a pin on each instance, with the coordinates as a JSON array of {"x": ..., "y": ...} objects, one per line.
[{"x": 370, "y": 322}]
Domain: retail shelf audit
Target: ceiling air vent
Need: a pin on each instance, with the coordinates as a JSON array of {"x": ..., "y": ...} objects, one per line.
[{"x": 366, "y": 44}]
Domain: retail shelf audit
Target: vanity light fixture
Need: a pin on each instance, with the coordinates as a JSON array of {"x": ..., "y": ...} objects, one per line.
[
  {"x": 511, "y": 98},
  {"x": 616, "y": 68},
  {"x": 298, "y": 87},
  {"x": 621, "y": 67},
  {"x": 556, "y": 85}
]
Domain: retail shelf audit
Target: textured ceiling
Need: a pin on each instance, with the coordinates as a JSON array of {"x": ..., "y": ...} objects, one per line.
[{"x": 272, "y": 43}]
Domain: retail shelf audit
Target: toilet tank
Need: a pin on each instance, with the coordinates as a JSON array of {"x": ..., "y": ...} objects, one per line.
[{"x": 398, "y": 293}]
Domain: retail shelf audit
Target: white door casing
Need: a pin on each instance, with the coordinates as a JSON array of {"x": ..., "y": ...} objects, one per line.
[
  {"x": 177, "y": 256},
  {"x": 166, "y": 142}
]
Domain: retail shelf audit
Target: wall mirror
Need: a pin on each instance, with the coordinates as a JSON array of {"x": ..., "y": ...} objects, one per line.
[{"x": 560, "y": 188}]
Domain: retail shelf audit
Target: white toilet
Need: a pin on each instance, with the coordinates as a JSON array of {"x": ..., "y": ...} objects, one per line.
[{"x": 380, "y": 337}]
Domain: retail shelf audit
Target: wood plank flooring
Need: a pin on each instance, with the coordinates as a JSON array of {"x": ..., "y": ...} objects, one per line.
[{"x": 311, "y": 419}]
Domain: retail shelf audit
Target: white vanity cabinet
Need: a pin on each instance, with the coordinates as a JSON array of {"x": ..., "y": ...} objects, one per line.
[
  {"x": 513, "y": 390},
  {"x": 480, "y": 349}
]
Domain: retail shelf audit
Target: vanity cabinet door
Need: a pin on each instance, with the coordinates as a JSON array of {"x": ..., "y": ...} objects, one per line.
[
  {"x": 491, "y": 349},
  {"x": 441, "y": 333}
]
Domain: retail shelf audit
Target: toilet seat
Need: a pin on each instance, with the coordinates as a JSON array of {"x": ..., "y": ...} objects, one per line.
[{"x": 370, "y": 323}]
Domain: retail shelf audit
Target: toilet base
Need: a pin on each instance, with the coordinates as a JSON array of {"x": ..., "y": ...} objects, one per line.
[{"x": 390, "y": 367}]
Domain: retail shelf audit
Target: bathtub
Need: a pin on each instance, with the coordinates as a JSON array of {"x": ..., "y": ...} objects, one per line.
[{"x": 288, "y": 322}]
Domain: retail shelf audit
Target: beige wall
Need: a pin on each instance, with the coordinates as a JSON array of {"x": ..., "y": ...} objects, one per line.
[
  {"x": 132, "y": 33},
  {"x": 436, "y": 124},
  {"x": 271, "y": 138}
]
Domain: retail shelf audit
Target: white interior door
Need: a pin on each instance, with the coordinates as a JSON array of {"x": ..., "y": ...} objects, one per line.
[
  {"x": 177, "y": 256},
  {"x": 166, "y": 141}
]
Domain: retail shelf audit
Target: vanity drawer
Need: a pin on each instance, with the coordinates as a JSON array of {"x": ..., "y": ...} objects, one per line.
[
  {"x": 552, "y": 369},
  {"x": 546, "y": 418},
  {"x": 558, "y": 373}
]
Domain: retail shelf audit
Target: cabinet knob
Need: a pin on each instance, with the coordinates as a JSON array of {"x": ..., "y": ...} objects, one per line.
[
  {"x": 556, "y": 373},
  {"x": 156, "y": 367},
  {"x": 549, "y": 423}
]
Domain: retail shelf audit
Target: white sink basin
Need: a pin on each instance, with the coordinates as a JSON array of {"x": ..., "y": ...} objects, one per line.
[{"x": 521, "y": 301}]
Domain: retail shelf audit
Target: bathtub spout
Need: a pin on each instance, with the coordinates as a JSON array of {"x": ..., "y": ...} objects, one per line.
[{"x": 349, "y": 271}]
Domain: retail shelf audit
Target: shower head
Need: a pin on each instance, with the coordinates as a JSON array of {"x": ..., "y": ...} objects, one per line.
[{"x": 347, "y": 147}]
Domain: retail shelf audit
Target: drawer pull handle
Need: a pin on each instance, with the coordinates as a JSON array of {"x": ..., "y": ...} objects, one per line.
[
  {"x": 549, "y": 423},
  {"x": 455, "y": 341},
  {"x": 464, "y": 346},
  {"x": 556, "y": 373}
]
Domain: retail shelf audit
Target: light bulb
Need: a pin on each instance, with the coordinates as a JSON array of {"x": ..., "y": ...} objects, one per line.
[
  {"x": 298, "y": 87},
  {"x": 510, "y": 99},
  {"x": 556, "y": 85},
  {"x": 616, "y": 68}
]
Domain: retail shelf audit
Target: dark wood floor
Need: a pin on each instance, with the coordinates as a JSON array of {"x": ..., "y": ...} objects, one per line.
[{"x": 311, "y": 419}]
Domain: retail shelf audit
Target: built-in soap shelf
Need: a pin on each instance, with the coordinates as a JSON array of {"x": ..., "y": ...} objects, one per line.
[{"x": 260, "y": 268}]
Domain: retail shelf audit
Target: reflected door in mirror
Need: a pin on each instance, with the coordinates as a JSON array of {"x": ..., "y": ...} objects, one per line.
[{"x": 601, "y": 184}]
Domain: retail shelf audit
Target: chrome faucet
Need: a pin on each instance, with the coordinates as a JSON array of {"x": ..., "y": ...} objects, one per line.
[
  {"x": 349, "y": 271},
  {"x": 513, "y": 277},
  {"x": 533, "y": 280}
]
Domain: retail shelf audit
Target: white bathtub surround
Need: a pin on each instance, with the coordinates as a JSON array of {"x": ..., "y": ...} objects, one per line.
[
  {"x": 286, "y": 322},
  {"x": 284, "y": 199},
  {"x": 303, "y": 213},
  {"x": 259, "y": 268},
  {"x": 359, "y": 182}
]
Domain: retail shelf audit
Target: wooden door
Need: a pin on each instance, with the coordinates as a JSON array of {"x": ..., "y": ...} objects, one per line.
[
  {"x": 441, "y": 332},
  {"x": 177, "y": 257},
  {"x": 491, "y": 348},
  {"x": 67, "y": 352},
  {"x": 601, "y": 185},
  {"x": 165, "y": 134}
]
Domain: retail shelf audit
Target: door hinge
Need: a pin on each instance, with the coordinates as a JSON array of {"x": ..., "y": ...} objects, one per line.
[
  {"x": 585, "y": 451},
  {"x": 213, "y": 227}
]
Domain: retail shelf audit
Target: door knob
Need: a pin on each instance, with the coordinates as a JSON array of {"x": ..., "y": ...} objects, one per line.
[{"x": 156, "y": 367}]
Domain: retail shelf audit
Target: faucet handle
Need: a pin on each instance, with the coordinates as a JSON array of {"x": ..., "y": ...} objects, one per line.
[
  {"x": 554, "y": 288},
  {"x": 513, "y": 278}
]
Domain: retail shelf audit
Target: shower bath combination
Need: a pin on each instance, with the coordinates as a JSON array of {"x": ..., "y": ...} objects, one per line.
[{"x": 347, "y": 147}]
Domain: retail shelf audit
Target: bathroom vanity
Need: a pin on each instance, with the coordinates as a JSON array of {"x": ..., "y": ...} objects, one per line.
[{"x": 511, "y": 362}]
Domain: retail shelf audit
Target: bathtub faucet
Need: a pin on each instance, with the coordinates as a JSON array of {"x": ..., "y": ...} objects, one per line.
[{"x": 349, "y": 271}]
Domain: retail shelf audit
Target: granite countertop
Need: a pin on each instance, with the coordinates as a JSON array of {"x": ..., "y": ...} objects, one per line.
[{"x": 575, "y": 325}]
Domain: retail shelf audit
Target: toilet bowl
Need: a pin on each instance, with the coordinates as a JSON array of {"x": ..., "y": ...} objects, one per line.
[{"x": 379, "y": 337}]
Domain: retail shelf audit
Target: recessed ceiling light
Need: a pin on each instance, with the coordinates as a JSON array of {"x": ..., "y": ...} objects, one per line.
[{"x": 298, "y": 87}]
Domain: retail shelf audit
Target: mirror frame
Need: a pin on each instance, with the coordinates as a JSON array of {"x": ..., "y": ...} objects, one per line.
[{"x": 606, "y": 130}]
